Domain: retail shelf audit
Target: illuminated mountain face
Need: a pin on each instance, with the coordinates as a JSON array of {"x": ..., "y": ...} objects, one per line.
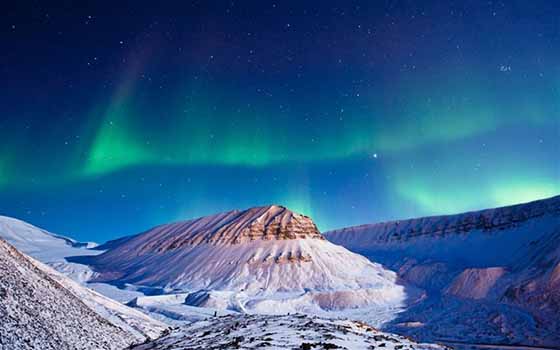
[{"x": 260, "y": 260}]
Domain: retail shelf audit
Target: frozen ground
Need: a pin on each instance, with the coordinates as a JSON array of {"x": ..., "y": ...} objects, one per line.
[{"x": 280, "y": 332}]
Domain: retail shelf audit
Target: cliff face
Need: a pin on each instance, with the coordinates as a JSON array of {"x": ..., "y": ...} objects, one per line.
[
  {"x": 535, "y": 281},
  {"x": 234, "y": 227},
  {"x": 490, "y": 221}
]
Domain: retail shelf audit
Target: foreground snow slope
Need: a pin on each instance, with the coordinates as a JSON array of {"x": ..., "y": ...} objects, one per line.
[
  {"x": 51, "y": 249},
  {"x": 37, "y": 312},
  {"x": 280, "y": 332},
  {"x": 47, "y": 247},
  {"x": 265, "y": 260},
  {"x": 490, "y": 275},
  {"x": 137, "y": 324}
]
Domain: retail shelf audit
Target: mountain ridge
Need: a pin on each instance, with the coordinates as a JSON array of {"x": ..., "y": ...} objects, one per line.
[
  {"x": 471, "y": 219},
  {"x": 498, "y": 265}
]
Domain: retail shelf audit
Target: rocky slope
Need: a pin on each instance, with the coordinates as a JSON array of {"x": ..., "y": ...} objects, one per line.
[
  {"x": 504, "y": 262},
  {"x": 265, "y": 259},
  {"x": 280, "y": 332},
  {"x": 51, "y": 249},
  {"x": 37, "y": 312}
]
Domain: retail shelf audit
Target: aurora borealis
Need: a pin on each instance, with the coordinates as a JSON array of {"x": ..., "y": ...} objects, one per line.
[{"x": 123, "y": 116}]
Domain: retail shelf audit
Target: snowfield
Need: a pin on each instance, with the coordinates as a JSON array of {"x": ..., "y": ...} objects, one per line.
[{"x": 248, "y": 278}]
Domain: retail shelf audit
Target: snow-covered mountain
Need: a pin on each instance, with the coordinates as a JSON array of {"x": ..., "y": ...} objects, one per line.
[
  {"x": 47, "y": 247},
  {"x": 265, "y": 259},
  {"x": 493, "y": 275},
  {"x": 42, "y": 309},
  {"x": 281, "y": 332},
  {"x": 37, "y": 312},
  {"x": 51, "y": 249}
]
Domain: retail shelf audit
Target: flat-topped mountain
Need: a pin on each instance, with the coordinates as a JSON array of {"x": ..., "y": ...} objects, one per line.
[
  {"x": 490, "y": 221},
  {"x": 244, "y": 260}
]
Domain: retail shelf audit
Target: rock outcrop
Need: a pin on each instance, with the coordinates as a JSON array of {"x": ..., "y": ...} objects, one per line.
[{"x": 233, "y": 227}]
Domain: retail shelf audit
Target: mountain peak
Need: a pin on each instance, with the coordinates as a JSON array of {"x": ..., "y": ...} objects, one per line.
[{"x": 271, "y": 222}]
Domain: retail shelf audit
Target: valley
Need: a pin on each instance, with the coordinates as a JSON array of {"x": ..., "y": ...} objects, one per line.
[{"x": 482, "y": 280}]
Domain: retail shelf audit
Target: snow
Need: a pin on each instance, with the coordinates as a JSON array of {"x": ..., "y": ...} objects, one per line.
[
  {"x": 286, "y": 270},
  {"x": 37, "y": 312},
  {"x": 107, "y": 300},
  {"x": 280, "y": 332},
  {"x": 277, "y": 276},
  {"x": 488, "y": 276},
  {"x": 52, "y": 249},
  {"x": 137, "y": 324},
  {"x": 47, "y": 247},
  {"x": 325, "y": 279}
]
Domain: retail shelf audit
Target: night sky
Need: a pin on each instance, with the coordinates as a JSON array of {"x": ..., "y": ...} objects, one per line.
[{"x": 119, "y": 116}]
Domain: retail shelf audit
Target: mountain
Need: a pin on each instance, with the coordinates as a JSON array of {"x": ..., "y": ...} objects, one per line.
[
  {"x": 280, "y": 332},
  {"x": 51, "y": 249},
  {"x": 265, "y": 259},
  {"x": 37, "y": 312},
  {"x": 491, "y": 275}
]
